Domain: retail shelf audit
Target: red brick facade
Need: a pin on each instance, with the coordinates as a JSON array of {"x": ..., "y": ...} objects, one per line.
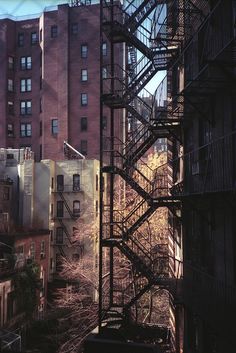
[{"x": 56, "y": 82}]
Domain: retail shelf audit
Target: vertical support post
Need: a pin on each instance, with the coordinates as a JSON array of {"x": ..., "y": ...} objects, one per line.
[{"x": 100, "y": 182}]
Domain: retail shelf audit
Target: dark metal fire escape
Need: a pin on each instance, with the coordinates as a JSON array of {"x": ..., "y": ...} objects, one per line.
[
  {"x": 59, "y": 216},
  {"x": 131, "y": 27}
]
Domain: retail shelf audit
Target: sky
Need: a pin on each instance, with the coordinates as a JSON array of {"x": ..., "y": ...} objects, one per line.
[{"x": 26, "y": 7}]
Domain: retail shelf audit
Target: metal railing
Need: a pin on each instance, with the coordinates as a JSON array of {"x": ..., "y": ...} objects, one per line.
[
  {"x": 210, "y": 168},
  {"x": 68, "y": 188}
]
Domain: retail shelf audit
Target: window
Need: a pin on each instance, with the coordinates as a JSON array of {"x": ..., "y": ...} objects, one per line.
[
  {"x": 10, "y": 107},
  {"x": 20, "y": 39},
  {"x": 34, "y": 38},
  {"x": 40, "y": 82},
  {"x": 96, "y": 208},
  {"x": 26, "y": 63},
  {"x": 10, "y": 63},
  {"x": 104, "y": 72},
  {"x": 40, "y": 152},
  {"x": 104, "y": 49},
  {"x": 53, "y": 31},
  {"x": 25, "y": 130},
  {"x": 41, "y": 35},
  {"x": 51, "y": 210},
  {"x": 84, "y": 124},
  {"x": 10, "y": 305},
  {"x": 59, "y": 235},
  {"x": 25, "y": 85},
  {"x": 10, "y": 85},
  {"x": 54, "y": 126},
  {"x": 84, "y": 99},
  {"x": 6, "y": 193},
  {"x": 84, "y": 51},
  {"x": 40, "y": 128},
  {"x": 40, "y": 105},
  {"x": 104, "y": 122},
  {"x": 76, "y": 182},
  {"x": 10, "y": 156},
  {"x": 42, "y": 250},
  {"x": 60, "y": 208},
  {"x": 76, "y": 208},
  {"x": 84, "y": 147},
  {"x": 25, "y": 107},
  {"x": 96, "y": 182},
  {"x": 84, "y": 75},
  {"x": 52, "y": 183},
  {"x": 20, "y": 249},
  {"x": 32, "y": 251},
  {"x": 74, "y": 28},
  {"x": 60, "y": 182},
  {"x": 10, "y": 130}
]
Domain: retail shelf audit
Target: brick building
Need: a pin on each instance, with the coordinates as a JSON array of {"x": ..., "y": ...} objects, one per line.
[
  {"x": 51, "y": 81},
  {"x": 16, "y": 251}
]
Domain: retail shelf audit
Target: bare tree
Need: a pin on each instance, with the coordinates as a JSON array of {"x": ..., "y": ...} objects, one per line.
[{"x": 80, "y": 298}]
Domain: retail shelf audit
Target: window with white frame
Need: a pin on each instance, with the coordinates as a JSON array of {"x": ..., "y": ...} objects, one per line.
[
  {"x": 84, "y": 99},
  {"x": 84, "y": 75},
  {"x": 54, "y": 126},
  {"x": 25, "y": 85},
  {"x": 25, "y": 130},
  {"x": 10, "y": 130},
  {"x": 34, "y": 38},
  {"x": 84, "y": 51},
  {"x": 104, "y": 48},
  {"x": 26, "y": 63},
  {"x": 32, "y": 251},
  {"x": 104, "y": 73},
  {"x": 10, "y": 63},
  {"x": 10, "y": 85},
  {"x": 26, "y": 107}
]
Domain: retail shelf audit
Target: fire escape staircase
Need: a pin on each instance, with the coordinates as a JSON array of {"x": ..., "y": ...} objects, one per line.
[
  {"x": 70, "y": 213},
  {"x": 66, "y": 205},
  {"x": 140, "y": 14},
  {"x": 153, "y": 193},
  {"x": 65, "y": 230},
  {"x": 62, "y": 252}
]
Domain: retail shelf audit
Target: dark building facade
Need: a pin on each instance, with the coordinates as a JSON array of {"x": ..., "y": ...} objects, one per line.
[
  {"x": 50, "y": 81},
  {"x": 194, "y": 41},
  {"x": 204, "y": 176}
]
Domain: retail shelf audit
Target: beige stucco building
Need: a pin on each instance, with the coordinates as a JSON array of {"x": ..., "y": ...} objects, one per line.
[{"x": 61, "y": 196}]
